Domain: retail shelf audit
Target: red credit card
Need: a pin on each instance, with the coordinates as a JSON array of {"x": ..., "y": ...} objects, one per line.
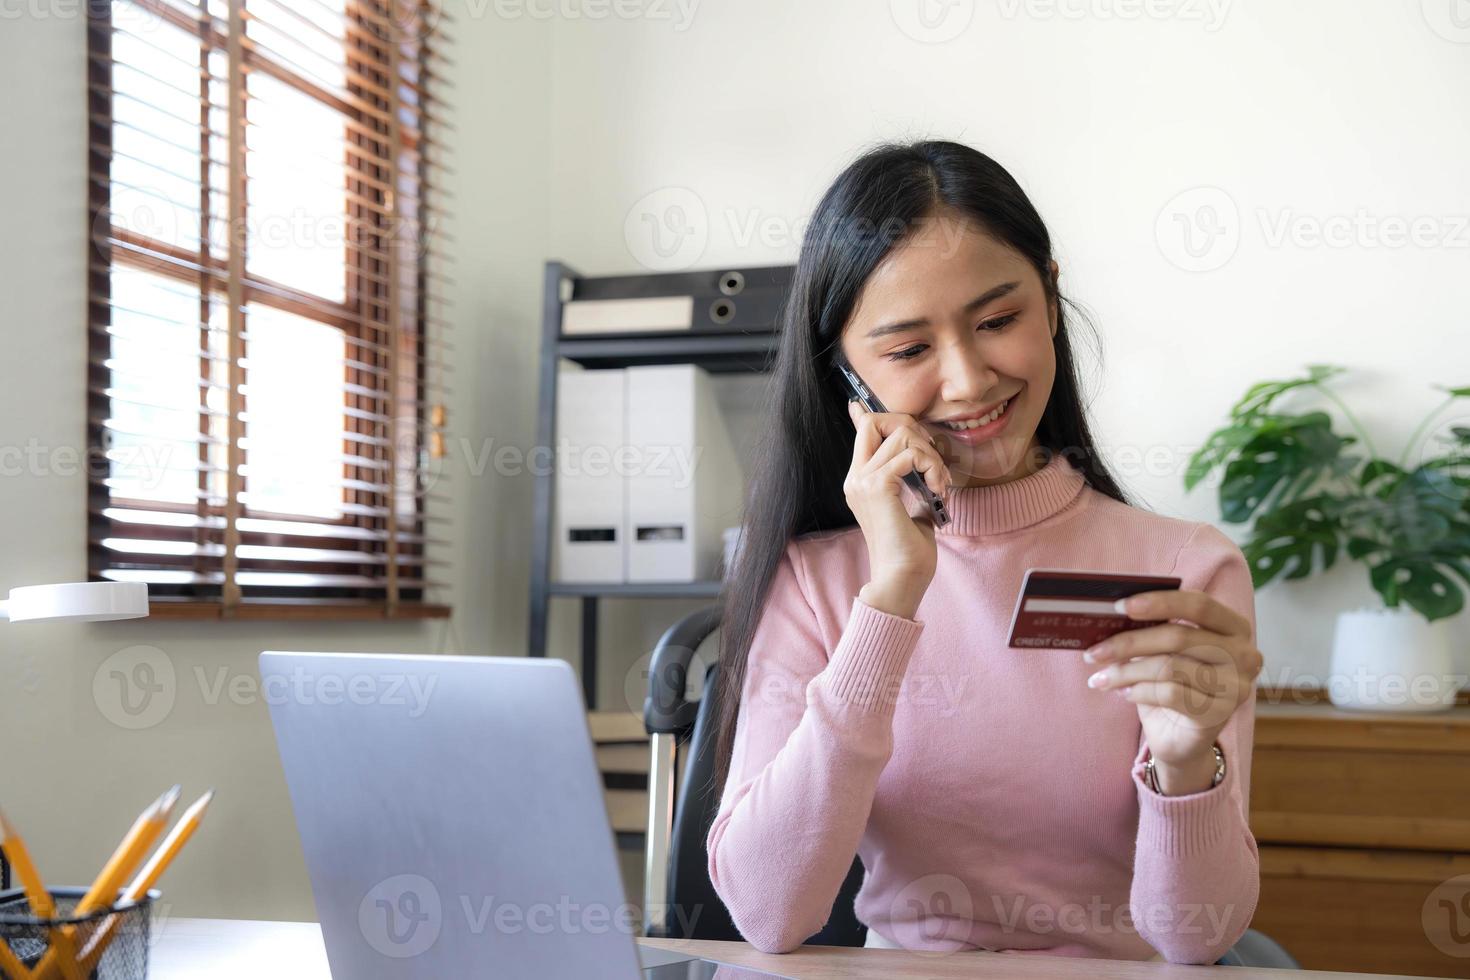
[{"x": 1061, "y": 609}]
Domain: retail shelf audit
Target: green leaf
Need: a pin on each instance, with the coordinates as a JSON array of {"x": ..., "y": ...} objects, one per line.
[
  {"x": 1295, "y": 449},
  {"x": 1455, "y": 392},
  {"x": 1453, "y": 447},
  {"x": 1390, "y": 473},
  {"x": 1360, "y": 548},
  {"x": 1291, "y": 471},
  {"x": 1259, "y": 396},
  {"x": 1423, "y": 507},
  {"x": 1220, "y": 445},
  {"x": 1419, "y": 583},
  {"x": 1289, "y": 541},
  {"x": 1460, "y": 566}
]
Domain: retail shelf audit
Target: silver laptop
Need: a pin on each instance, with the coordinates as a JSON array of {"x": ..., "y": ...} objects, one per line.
[{"x": 453, "y": 822}]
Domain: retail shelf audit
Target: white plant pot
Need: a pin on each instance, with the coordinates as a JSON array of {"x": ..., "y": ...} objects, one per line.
[{"x": 1392, "y": 660}]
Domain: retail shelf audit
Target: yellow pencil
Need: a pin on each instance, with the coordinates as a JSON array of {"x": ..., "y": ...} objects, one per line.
[
  {"x": 11, "y": 964},
  {"x": 148, "y": 876},
  {"x": 150, "y": 873},
  {"x": 62, "y": 954},
  {"x": 134, "y": 847},
  {"x": 20, "y": 859},
  {"x": 37, "y": 896}
]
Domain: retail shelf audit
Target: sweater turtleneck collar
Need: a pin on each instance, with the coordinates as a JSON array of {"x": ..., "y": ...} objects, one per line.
[{"x": 975, "y": 511}]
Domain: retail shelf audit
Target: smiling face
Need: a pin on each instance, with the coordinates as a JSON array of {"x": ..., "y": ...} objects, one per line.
[{"x": 951, "y": 325}]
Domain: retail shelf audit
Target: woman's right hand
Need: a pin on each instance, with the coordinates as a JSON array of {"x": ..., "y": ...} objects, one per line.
[{"x": 902, "y": 555}]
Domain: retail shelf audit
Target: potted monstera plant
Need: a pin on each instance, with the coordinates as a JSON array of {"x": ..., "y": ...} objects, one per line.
[{"x": 1311, "y": 494}]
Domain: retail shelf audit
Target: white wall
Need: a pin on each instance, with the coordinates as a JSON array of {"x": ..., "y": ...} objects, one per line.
[
  {"x": 566, "y": 123},
  {"x": 1306, "y": 113}
]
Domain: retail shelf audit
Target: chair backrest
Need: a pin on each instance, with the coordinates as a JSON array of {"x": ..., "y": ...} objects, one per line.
[{"x": 696, "y": 911}]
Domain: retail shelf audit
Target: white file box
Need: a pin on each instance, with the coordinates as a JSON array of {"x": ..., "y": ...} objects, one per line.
[{"x": 685, "y": 486}]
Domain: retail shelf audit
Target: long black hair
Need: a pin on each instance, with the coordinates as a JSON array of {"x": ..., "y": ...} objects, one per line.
[{"x": 804, "y": 454}]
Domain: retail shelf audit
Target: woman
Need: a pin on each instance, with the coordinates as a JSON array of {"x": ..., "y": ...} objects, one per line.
[{"x": 1036, "y": 801}]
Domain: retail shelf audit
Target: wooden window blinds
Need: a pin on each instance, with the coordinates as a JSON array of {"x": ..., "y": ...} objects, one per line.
[{"x": 267, "y": 344}]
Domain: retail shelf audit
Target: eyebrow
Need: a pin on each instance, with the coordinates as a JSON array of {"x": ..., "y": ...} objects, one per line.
[{"x": 993, "y": 293}]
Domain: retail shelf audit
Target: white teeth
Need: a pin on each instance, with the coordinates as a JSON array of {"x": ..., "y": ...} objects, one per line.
[{"x": 976, "y": 423}]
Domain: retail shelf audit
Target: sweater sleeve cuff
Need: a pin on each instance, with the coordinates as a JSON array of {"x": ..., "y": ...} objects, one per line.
[
  {"x": 1183, "y": 826},
  {"x": 868, "y": 665}
]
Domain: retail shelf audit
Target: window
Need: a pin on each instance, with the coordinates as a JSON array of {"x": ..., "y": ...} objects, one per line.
[{"x": 267, "y": 356}]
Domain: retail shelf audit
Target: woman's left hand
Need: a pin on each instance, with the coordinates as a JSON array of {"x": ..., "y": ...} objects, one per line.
[{"x": 1186, "y": 680}]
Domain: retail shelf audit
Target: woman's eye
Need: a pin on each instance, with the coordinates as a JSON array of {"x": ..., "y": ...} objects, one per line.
[{"x": 989, "y": 326}]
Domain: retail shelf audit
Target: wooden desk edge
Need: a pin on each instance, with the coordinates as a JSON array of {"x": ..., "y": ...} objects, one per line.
[{"x": 843, "y": 962}]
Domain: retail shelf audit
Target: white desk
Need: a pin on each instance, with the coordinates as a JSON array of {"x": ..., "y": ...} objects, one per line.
[{"x": 225, "y": 949}]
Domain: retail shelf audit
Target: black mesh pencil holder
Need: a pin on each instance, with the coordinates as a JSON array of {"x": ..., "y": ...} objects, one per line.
[{"x": 125, "y": 956}]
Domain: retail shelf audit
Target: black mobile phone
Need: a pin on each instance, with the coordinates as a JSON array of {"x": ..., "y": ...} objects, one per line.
[{"x": 914, "y": 479}]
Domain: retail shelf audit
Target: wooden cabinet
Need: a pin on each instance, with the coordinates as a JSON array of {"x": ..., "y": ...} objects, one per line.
[{"x": 1363, "y": 823}]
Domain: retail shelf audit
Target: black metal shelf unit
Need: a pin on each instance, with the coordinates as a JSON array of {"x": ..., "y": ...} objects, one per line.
[{"x": 734, "y": 331}]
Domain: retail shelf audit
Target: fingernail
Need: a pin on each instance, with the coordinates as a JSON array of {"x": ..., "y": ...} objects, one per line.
[
  {"x": 1097, "y": 679},
  {"x": 1121, "y": 606},
  {"x": 1094, "y": 654}
]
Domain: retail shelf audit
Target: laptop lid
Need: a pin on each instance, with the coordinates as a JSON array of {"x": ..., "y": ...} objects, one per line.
[{"x": 452, "y": 817}]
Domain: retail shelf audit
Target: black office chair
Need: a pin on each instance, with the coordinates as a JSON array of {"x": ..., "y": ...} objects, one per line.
[{"x": 679, "y": 898}]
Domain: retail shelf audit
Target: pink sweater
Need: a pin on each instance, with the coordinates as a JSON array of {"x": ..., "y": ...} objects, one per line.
[{"x": 996, "y": 800}]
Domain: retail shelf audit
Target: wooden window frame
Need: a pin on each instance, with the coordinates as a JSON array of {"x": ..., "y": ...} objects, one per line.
[{"x": 394, "y": 347}]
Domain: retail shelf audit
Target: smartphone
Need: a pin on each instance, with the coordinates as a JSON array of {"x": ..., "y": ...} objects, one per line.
[{"x": 914, "y": 479}]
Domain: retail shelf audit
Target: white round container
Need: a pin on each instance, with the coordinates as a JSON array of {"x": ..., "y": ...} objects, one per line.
[{"x": 1392, "y": 660}]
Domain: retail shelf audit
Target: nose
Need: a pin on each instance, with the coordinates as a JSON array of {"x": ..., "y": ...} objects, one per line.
[{"x": 965, "y": 376}]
